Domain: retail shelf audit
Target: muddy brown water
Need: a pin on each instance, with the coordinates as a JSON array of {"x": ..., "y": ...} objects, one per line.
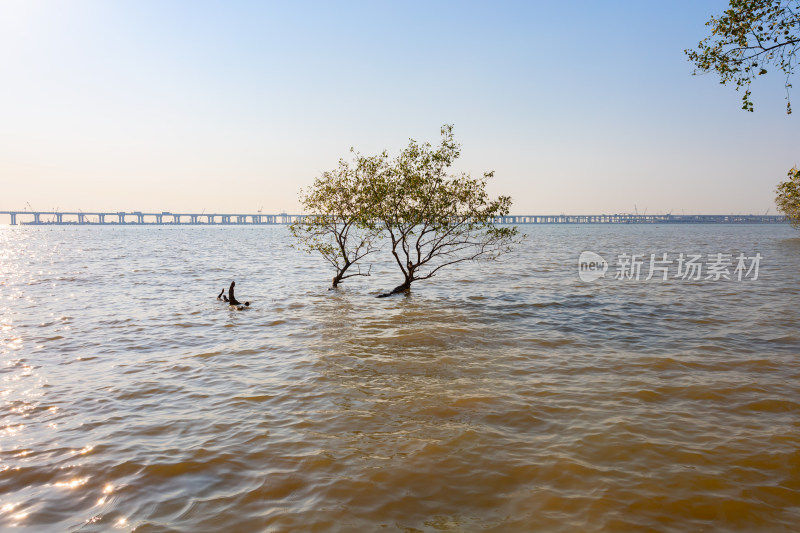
[{"x": 508, "y": 396}]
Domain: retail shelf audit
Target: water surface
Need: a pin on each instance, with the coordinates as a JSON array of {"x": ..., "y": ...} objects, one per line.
[{"x": 506, "y": 396}]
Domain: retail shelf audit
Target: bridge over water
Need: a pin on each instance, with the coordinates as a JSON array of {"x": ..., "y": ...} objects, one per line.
[
  {"x": 211, "y": 219},
  {"x": 141, "y": 218}
]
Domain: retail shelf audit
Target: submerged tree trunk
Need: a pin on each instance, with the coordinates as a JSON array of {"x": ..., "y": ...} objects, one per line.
[
  {"x": 340, "y": 275},
  {"x": 404, "y": 287}
]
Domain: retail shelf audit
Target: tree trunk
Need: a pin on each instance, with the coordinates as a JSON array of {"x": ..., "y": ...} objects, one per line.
[
  {"x": 339, "y": 275},
  {"x": 404, "y": 287}
]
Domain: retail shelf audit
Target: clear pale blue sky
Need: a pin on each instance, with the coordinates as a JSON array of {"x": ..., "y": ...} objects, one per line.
[{"x": 579, "y": 107}]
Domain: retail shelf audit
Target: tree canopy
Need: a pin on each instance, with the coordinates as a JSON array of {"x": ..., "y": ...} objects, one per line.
[
  {"x": 434, "y": 219},
  {"x": 337, "y": 225},
  {"x": 788, "y": 199},
  {"x": 747, "y": 40},
  {"x": 429, "y": 217}
]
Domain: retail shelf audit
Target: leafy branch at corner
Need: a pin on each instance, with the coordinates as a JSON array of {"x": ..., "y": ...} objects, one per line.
[
  {"x": 788, "y": 198},
  {"x": 429, "y": 217},
  {"x": 749, "y": 38}
]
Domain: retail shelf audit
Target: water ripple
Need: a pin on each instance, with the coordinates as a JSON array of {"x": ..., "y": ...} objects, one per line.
[{"x": 499, "y": 397}]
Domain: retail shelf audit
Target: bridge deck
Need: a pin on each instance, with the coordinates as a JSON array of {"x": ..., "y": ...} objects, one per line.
[{"x": 169, "y": 218}]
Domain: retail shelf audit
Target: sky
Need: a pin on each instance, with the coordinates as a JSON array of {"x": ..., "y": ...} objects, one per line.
[{"x": 580, "y": 107}]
